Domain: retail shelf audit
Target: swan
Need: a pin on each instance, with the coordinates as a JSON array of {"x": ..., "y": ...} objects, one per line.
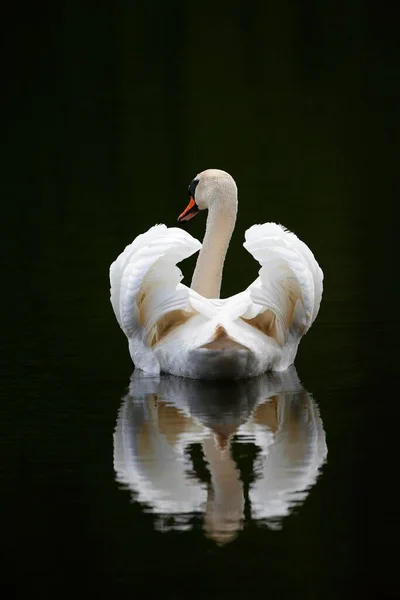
[{"x": 192, "y": 332}]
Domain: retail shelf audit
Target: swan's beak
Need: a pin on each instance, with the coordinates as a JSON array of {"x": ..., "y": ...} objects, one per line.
[{"x": 190, "y": 211}]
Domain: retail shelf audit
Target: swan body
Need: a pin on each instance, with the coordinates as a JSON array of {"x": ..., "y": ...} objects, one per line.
[{"x": 192, "y": 332}]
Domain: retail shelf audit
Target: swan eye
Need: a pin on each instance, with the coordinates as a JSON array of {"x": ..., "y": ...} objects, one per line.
[{"x": 192, "y": 188}]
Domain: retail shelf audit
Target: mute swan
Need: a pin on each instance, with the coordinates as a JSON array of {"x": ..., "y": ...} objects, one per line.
[{"x": 191, "y": 332}]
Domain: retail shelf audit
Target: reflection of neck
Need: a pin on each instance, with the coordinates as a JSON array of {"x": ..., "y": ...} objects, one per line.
[
  {"x": 225, "y": 505},
  {"x": 207, "y": 275}
]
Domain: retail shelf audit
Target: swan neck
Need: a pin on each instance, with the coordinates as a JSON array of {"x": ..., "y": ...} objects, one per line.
[{"x": 207, "y": 276}]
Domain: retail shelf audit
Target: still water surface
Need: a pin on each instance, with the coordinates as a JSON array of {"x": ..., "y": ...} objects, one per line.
[{"x": 132, "y": 487}]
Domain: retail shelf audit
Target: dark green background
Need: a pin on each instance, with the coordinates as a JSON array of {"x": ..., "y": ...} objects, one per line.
[{"x": 110, "y": 110}]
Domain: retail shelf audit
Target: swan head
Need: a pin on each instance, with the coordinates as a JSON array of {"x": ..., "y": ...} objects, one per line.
[{"x": 213, "y": 190}]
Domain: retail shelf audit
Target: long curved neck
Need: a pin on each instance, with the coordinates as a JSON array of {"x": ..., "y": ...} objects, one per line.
[{"x": 207, "y": 275}]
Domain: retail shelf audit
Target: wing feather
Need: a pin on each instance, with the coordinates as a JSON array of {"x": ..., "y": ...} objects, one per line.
[
  {"x": 145, "y": 285},
  {"x": 289, "y": 285}
]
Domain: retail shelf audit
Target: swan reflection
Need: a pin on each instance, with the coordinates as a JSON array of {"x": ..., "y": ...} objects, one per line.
[{"x": 179, "y": 447}]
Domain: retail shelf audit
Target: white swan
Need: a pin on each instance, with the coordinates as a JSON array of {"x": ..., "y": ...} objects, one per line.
[{"x": 191, "y": 332}]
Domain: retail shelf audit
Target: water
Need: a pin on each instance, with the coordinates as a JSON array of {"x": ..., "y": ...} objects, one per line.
[{"x": 121, "y": 485}]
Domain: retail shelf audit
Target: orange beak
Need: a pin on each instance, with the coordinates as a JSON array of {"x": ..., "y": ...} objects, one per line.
[{"x": 190, "y": 211}]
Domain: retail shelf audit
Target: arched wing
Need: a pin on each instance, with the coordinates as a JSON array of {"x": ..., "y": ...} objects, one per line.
[
  {"x": 287, "y": 294},
  {"x": 146, "y": 293}
]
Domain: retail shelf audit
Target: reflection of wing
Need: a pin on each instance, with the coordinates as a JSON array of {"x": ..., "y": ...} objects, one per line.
[
  {"x": 289, "y": 432},
  {"x": 163, "y": 416},
  {"x": 149, "y": 457}
]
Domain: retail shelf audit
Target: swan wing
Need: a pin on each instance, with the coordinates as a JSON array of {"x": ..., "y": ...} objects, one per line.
[
  {"x": 287, "y": 294},
  {"x": 145, "y": 289}
]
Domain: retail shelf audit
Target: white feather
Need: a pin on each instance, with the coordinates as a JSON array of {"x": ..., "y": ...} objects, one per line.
[{"x": 144, "y": 280}]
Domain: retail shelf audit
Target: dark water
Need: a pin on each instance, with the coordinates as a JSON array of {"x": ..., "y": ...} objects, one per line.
[{"x": 117, "y": 485}]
